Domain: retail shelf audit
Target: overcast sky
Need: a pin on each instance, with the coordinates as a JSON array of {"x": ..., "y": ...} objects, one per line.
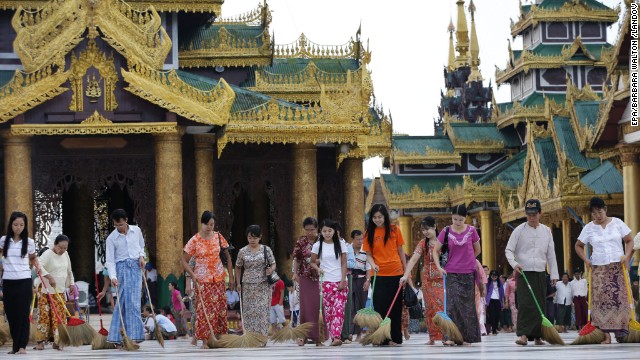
[{"x": 409, "y": 44}]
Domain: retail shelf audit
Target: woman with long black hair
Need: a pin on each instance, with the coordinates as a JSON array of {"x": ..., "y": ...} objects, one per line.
[
  {"x": 17, "y": 249},
  {"x": 383, "y": 245}
]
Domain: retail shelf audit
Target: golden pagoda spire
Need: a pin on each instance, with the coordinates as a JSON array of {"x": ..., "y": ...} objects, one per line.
[
  {"x": 462, "y": 37},
  {"x": 451, "y": 63},
  {"x": 474, "y": 47}
]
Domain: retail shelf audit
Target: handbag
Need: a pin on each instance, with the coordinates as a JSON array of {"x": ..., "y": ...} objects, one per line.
[
  {"x": 410, "y": 296},
  {"x": 222, "y": 255},
  {"x": 416, "y": 312},
  {"x": 444, "y": 251},
  {"x": 273, "y": 278}
]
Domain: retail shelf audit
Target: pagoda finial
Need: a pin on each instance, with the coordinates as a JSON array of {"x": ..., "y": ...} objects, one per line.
[
  {"x": 462, "y": 37},
  {"x": 452, "y": 54},
  {"x": 474, "y": 47}
]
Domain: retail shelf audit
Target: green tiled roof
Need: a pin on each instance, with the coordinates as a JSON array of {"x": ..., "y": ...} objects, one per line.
[
  {"x": 525, "y": 9},
  {"x": 555, "y": 4},
  {"x": 297, "y": 65},
  {"x": 587, "y": 112},
  {"x": 428, "y": 184},
  {"x": 6, "y": 76},
  {"x": 245, "y": 99},
  {"x": 605, "y": 179},
  {"x": 206, "y": 32},
  {"x": 516, "y": 54},
  {"x": 505, "y": 106},
  {"x": 482, "y": 131},
  {"x": 537, "y": 98},
  {"x": 418, "y": 144},
  {"x": 548, "y": 157},
  {"x": 568, "y": 143},
  {"x": 510, "y": 172},
  {"x": 555, "y": 50}
]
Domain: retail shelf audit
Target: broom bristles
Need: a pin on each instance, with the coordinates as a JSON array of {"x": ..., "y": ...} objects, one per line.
[
  {"x": 448, "y": 328},
  {"x": 321, "y": 333},
  {"x": 367, "y": 339},
  {"x": 64, "y": 338},
  {"x": 633, "y": 337},
  {"x": 382, "y": 333},
  {"x": 368, "y": 318},
  {"x": 213, "y": 343},
  {"x": 292, "y": 333},
  {"x": 127, "y": 344},
  {"x": 158, "y": 333},
  {"x": 82, "y": 334},
  {"x": 100, "y": 343},
  {"x": 4, "y": 333},
  {"x": 247, "y": 340},
  {"x": 589, "y": 334},
  {"x": 550, "y": 334}
]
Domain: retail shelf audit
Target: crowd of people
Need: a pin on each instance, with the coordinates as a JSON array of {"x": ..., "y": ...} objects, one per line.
[{"x": 334, "y": 276}]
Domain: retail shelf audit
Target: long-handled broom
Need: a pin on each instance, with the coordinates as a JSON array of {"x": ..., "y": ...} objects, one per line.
[
  {"x": 634, "y": 326},
  {"x": 589, "y": 334},
  {"x": 248, "y": 339},
  {"x": 64, "y": 339},
  {"x": 442, "y": 320},
  {"x": 289, "y": 332},
  {"x": 383, "y": 332},
  {"x": 549, "y": 332},
  {"x": 80, "y": 332},
  {"x": 156, "y": 330},
  {"x": 127, "y": 344},
  {"x": 100, "y": 340},
  {"x": 321, "y": 332},
  {"x": 367, "y": 317},
  {"x": 212, "y": 342},
  {"x": 32, "y": 323}
]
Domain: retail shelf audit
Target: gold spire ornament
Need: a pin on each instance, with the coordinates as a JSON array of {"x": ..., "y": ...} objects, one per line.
[
  {"x": 452, "y": 55},
  {"x": 474, "y": 48},
  {"x": 462, "y": 36}
]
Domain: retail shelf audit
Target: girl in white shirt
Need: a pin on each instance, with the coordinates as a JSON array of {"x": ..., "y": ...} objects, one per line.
[
  {"x": 333, "y": 274},
  {"x": 17, "y": 249}
]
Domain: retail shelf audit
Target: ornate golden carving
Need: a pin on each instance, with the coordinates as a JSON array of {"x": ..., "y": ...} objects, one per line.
[
  {"x": 27, "y": 90},
  {"x": 416, "y": 198},
  {"x": 431, "y": 156},
  {"x": 92, "y": 57},
  {"x": 471, "y": 191},
  {"x": 207, "y": 6},
  {"x": 166, "y": 89},
  {"x": 96, "y": 119},
  {"x": 305, "y": 48},
  {"x": 96, "y": 124},
  {"x": 93, "y": 91},
  {"x": 629, "y": 155},
  {"x": 571, "y": 11}
]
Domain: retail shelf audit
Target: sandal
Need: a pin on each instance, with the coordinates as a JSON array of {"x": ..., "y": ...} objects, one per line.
[
  {"x": 336, "y": 342},
  {"x": 448, "y": 343},
  {"x": 39, "y": 346},
  {"x": 540, "y": 342},
  {"x": 521, "y": 342}
]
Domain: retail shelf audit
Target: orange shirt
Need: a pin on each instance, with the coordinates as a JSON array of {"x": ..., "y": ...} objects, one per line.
[
  {"x": 208, "y": 267},
  {"x": 385, "y": 256}
]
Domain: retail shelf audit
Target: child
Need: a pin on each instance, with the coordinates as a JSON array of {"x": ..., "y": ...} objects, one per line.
[
  {"x": 333, "y": 273},
  {"x": 294, "y": 304},
  {"x": 276, "y": 317}
]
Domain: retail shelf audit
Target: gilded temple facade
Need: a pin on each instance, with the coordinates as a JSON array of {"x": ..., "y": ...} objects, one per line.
[
  {"x": 564, "y": 137},
  {"x": 167, "y": 109}
]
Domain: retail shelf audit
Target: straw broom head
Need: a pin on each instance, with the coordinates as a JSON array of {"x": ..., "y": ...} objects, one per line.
[
  {"x": 367, "y": 339},
  {"x": 368, "y": 318},
  {"x": 64, "y": 339},
  {"x": 588, "y": 335},
  {"x": 550, "y": 334},
  {"x": 448, "y": 328},
  {"x": 382, "y": 333},
  {"x": 127, "y": 344},
  {"x": 100, "y": 343},
  {"x": 292, "y": 333},
  {"x": 4, "y": 332},
  {"x": 157, "y": 332}
]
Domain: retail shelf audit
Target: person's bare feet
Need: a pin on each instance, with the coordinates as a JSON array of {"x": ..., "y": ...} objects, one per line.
[
  {"x": 448, "y": 343},
  {"x": 607, "y": 339},
  {"x": 22, "y": 351},
  {"x": 522, "y": 341},
  {"x": 39, "y": 346},
  {"x": 336, "y": 342},
  {"x": 406, "y": 334},
  {"x": 194, "y": 341},
  {"x": 540, "y": 342},
  {"x": 431, "y": 342}
]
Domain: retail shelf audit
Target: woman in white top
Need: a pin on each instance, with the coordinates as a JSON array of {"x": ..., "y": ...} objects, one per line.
[
  {"x": 333, "y": 275},
  {"x": 17, "y": 249},
  {"x": 609, "y": 304},
  {"x": 55, "y": 267}
]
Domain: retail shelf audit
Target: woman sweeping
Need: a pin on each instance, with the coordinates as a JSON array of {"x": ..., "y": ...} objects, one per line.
[
  {"x": 383, "y": 245},
  {"x": 432, "y": 289},
  {"x": 209, "y": 277},
  {"x": 55, "y": 267},
  {"x": 464, "y": 247},
  {"x": 307, "y": 278},
  {"x": 609, "y": 307},
  {"x": 255, "y": 290},
  {"x": 17, "y": 249}
]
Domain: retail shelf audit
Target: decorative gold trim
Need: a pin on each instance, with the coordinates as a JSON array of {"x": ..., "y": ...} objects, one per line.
[
  {"x": 203, "y": 6},
  {"x": 416, "y": 198},
  {"x": 167, "y": 90},
  {"x": 470, "y": 191},
  {"x": 585, "y": 135},
  {"x": 101, "y": 128},
  {"x": 96, "y": 119},
  {"x": 431, "y": 156},
  {"x": 91, "y": 56},
  {"x": 571, "y": 11},
  {"x": 307, "y": 49},
  {"x": 28, "y": 90},
  {"x": 477, "y": 146}
]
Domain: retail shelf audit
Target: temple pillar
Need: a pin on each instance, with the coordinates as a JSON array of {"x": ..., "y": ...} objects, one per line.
[
  {"x": 404, "y": 222},
  {"x": 631, "y": 186},
  {"x": 488, "y": 239},
  {"x": 567, "y": 249},
  {"x": 353, "y": 196},
  {"x": 304, "y": 195},
  {"x": 169, "y": 212},
  {"x": 204, "y": 156},
  {"x": 18, "y": 190}
]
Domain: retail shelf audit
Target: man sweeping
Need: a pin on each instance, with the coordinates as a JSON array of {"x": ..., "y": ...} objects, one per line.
[
  {"x": 125, "y": 254},
  {"x": 530, "y": 249}
]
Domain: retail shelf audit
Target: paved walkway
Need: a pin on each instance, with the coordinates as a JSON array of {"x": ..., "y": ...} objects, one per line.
[{"x": 499, "y": 347}]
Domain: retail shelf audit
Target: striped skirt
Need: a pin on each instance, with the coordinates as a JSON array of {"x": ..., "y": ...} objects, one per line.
[{"x": 129, "y": 303}]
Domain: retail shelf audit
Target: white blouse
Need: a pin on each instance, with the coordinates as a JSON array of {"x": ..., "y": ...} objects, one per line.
[
  {"x": 59, "y": 267},
  {"x": 607, "y": 242},
  {"x": 17, "y": 267}
]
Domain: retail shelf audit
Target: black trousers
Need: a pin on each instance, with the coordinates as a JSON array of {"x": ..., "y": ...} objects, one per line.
[
  {"x": 493, "y": 315},
  {"x": 17, "y": 300},
  {"x": 386, "y": 287}
]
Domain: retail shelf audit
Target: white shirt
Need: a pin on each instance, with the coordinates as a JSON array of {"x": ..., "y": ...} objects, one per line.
[
  {"x": 563, "y": 294},
  {"x": 495, "y": 294},
  {"x": 294, "y": 303},
  {"x": 331, "y": 266},
  {"x": 532, "y": 249},
  {"x": 579, "y": 287},
  {"x": 232, "y": 297},
  {"x": 16, "y": 267},
  {"x": 163, "y": 322},
  {"x": 58, "y": 266},
  {"x": 607, "y": 242},
  {"x": 152, "y": 275},
  {"x": 121, "y": 247}
]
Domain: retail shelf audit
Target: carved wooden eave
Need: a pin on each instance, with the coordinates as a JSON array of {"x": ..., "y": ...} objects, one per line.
[
  {"x": 167, "y": 90},
  {"x": 477, "y": 146},
  {"x": 45, "y": 36},
  {"x": 618, "y": 92},
  {"x": 470, "y": 191},
  {"x": 304, "y": 48},
  {"x": 529, "y": 60},
  {"x": 96, "y": 124},
  {"x": 519, "y": 113},
  {"x": 585, "y": 135},
  {"x": 431, "y": 156},
  {"x": 571, "y": 11},
  {"x": 376, "y": 143},
  {"x": 536, "y": 182},
  {"x": 610, "y": 55},
  {"x": 416, "y": 198},
  {"x": 202, "y": 6},
  {"x": 28, "y": 90},
  {"x": 228, "y": 50}
]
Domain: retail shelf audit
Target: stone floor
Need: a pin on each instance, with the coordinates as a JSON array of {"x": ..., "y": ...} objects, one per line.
[{"x": 493, "y": 347}]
